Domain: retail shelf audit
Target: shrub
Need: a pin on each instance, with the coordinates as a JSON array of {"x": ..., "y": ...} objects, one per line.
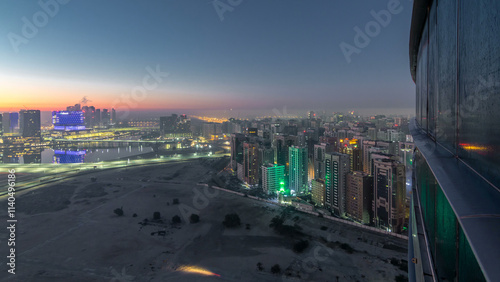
[
  {"x": 175, "y": 201},
  {"x": 232, "y": 220},
  {"x": 324, "y": 227},
  {"x": 276, "y": 269},
  {"x": 176, "y": 219},
  {"x": 259, "y": 266},
  {"x": 156, "y": 215},
  {"x": 394, "y": 261},
  {"x": 300, "y": 246},
  {"x": 194, "y": 218},
  {"x": 134, "y": 215},
  {"x": 347, "y": 248},
  {"x": 119, "y": 211},
  {"x": 248, "y": 226},
  {"x": 401, "y": 278}
]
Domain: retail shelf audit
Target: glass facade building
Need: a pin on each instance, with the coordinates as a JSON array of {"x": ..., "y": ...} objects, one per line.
[{"x": 455, "y": 207}]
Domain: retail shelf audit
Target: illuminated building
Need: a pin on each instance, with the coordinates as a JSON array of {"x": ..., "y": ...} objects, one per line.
[
  {"x": 389, "y": 191},
  {"x": 69, "y": 157},
  {"x": 29, "y": 123},
  {"x": 273, "y": 178},
  {"x": 68, "y": 121},
  {"x": 281, "y": 145},
  {"x": 318, "y": 192},
  {"x": 336, "y": 169},
  {"x": 359, "y": 196},
  {"x": 455, "y": 208},
  {"x": 298, "y": 174},
  {"x": 251, "y": 163}
]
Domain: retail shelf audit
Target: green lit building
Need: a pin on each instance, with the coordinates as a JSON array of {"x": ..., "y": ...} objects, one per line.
[
  {"x": 298, "y": 169},
  {"x": 273, "y": 178}
]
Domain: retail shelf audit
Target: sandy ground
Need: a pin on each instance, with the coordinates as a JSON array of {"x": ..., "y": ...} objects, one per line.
[{"x": 69, "y": 232}]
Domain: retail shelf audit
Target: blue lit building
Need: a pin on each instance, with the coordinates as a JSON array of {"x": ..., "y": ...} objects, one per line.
[
  {"x": 69, "y": 157},
  {"x": 68, "y": 120},
  {"x": 455, "y": 209}
]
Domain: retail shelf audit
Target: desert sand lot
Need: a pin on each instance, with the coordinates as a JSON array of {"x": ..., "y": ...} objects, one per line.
[{"x": 69, "y": 232}]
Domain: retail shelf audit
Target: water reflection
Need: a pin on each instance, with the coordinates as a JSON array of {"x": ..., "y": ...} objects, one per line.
[{"x": 68, "y": 155}]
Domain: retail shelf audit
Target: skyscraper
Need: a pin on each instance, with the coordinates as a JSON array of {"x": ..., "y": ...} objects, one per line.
[
  {"x": 251, "y": 163},
  {"x": 298, "y": 174},
  {"x": 273, "y": 178},
  {"x": 318, "y": 192},
  {"x": 6, "y": 122},
  {"x": 389, "y": 194},
  {"x": 359, "y": 196},
  {"x": 336, "y": 168},
  {"x": 29, "y": 123},
  {"x": 1, "y": 125},
  {"x": 455, "y": 208}
]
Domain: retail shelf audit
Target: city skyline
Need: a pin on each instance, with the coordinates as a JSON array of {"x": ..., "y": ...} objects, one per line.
[{"x": 259, "y": 56}]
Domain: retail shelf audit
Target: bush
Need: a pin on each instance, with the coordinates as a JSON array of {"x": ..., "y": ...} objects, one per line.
[
  {"x": 194, "y": 218},
  {"x": 134, "y": 215},
  {"x": 175, "y": 201},
  {"x": 176, "y": 219},
  {"x": 119, "y": 211},
  {"x": 394, "y": 261},
  {"x": 277, "y": 222},
  {"x": 300, "y": 246},
  {"x": 347, "y": 248},
  {"x": 156, "y": 215},
  {"x": 259, "y": 266},
  {"x": 401, "y": 278},
  {"x": 248, "y": 226},
  {"x": 324, "y": 227},
  {"x": 231, "y": 220},
  {"x": 276, "y": 269}
]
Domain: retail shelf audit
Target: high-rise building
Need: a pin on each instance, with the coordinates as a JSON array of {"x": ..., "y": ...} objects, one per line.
[
  {"x": 105, "y": 117},
  {"x": 97, "y": 117},
  {"x": 251, "y": 163},
  {"x": 6, "y": 122},
  {"x": 318, "y": 192},
  {"x": 281, "y": 145},
  {"x": 455, "y": 207},
  {"x": 29, "y": 123},
  {"x": 389, "y": 191},
  {"x": 319, "y": 158},
  {"x": 359, "y": 197},
  {"x": 273, "y": 178},
  {"x": 113, "y": 116},
  {"x": 236, "y": 143},
  {"x": 14, "y": 122},
  {"x": 298, "y": 174},
  {"x": 336, "y": 168},
  {"x": 1, "y": 125}
]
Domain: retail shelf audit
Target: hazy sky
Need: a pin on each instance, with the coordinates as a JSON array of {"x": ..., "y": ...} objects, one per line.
[{"x": 263, "y": 54}]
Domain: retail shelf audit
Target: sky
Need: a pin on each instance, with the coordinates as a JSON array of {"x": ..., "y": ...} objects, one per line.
[{"x": 211, "y": 55}]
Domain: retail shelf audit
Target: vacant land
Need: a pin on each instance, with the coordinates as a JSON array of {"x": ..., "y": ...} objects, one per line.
[{"x": 70, "y": 232}]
